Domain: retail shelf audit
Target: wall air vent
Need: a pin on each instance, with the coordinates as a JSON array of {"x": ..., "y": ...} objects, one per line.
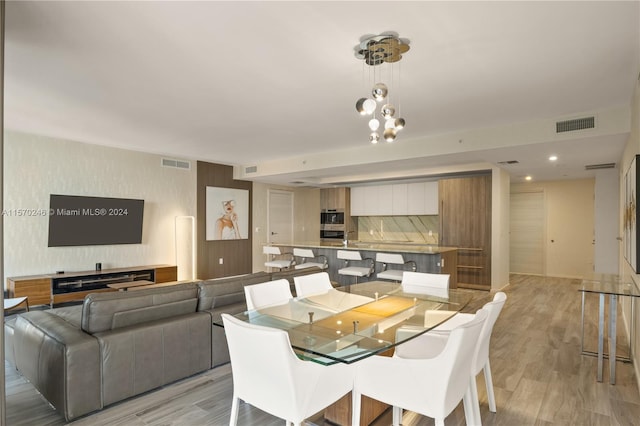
[
  {"x": 251, "y": 169},
  {"x": 600, "y": 166},
  {"x": 176, "y": 164},
  {"x": 576, "y": 124}
]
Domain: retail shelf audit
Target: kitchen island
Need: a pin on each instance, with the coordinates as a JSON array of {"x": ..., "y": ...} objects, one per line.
[{"x": 428, "y": 258}]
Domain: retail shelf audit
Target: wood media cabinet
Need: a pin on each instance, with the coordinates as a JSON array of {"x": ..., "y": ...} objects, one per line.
[{"x": 49, "y": 289}]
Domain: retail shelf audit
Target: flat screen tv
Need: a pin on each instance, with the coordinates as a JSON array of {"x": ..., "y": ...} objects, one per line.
[{"x": 86, "y": 221}]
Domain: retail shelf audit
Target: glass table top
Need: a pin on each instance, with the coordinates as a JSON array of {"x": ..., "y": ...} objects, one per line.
[
  {"x": 356, "y": 321},
  {"x": 608, "y": 284}
]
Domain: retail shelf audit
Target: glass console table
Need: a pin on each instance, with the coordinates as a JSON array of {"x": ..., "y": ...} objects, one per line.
[
  {"x": 356, "y": 321},
  {"x": 611, "y": 285}
]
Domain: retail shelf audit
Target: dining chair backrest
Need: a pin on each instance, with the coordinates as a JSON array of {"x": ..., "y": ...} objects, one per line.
[
  {"x": 454, "y": 380},
  {"x": 269, "y": 293},
  {"x": 425, "y": 283},
  {"x": 493, "y": 309},
  {"x": 397, "y": 381},
  {"x": 268, "y": 375},
  {"x": 312, "y": 284}
]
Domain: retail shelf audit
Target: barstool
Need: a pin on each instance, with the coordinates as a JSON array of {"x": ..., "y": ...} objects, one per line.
[
  {"x": 395, "y": 259},
  {"x": 354, "y": 271},
  {"x": 271, "y": 262},
  {"x": 305, "y": 254}
]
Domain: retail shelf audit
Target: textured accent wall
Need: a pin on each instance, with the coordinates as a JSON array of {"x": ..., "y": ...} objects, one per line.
[
  {"x": 235, "y": 254},
  {"x": 413, "y": 229},
  {"x": 37, "y": 166}
]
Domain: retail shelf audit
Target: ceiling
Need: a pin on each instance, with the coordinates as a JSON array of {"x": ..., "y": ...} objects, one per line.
[{"x": 274, "y": 84}]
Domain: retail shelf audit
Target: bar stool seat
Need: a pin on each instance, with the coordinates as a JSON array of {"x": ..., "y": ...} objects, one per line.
[
  {"x": 279, "y": 263},
  {"x": 305, "y": 254},
  {"x": 396, "y": 259},
  {"x": 353, "y": 270}
]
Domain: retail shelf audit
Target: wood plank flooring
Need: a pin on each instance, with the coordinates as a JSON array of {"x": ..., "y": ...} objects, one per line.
[{"x": 539, "y": 376}]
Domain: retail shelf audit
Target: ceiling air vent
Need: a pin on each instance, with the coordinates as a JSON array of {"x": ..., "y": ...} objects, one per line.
[
  {"x": 576, "y": 124},
  {"x": 176, "y": 164},
  {"x": 251, "y": 169},
  {"x": 600, "y": 166},
  {"x": 509, "y": 162}
]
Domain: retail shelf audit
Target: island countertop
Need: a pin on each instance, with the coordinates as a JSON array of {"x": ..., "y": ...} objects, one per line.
[{"x": 374, "y": 246}]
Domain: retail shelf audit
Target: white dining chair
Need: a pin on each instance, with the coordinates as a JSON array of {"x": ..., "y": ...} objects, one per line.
[
  {"x": 393, "y": 259},
  {"x": 354, "y": 270},
  {"x": 268, "y": 375},
  {"x": 425, "y": 283},
  {"x": 431, "y": 387},
  {"x": 277, "y": 259},
  {"x": 312, "y": 284},
  {"x": 309, "y": 259},
  {"x": 266, "y": 294},
  {"x": 434, "y": 340}
]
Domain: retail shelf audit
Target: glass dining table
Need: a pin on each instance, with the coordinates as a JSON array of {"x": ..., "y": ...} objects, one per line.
[{"x": 349, "y": 323}]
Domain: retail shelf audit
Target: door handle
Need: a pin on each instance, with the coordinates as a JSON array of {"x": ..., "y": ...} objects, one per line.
[{"x": 274, "y": 233}]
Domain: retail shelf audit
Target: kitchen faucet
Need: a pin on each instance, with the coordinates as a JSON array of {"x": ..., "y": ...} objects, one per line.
[{"x": 346, "y": 237}]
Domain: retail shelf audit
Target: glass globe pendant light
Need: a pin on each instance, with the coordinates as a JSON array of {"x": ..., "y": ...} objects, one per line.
[
  {"x": 374, "y": 124},
  {"x": 374, "y": 137},
  {"x": 379, "y": 92}
]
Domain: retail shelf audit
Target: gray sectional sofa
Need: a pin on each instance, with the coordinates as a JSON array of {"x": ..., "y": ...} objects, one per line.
[{"x": 120, "y": 344}]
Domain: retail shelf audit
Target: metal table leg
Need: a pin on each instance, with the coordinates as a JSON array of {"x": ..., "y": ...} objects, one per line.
[
  {"x": 613, "y": 313},
  {"x": 600, "y": 336}
]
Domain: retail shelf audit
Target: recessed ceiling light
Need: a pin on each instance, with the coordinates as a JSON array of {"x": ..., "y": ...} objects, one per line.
[
  {"x": 528, "y": 178},
  {"x": 553, "y": 158}
]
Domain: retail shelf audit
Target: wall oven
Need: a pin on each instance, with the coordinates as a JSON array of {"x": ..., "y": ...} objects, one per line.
[
  {"x": 332, "y": 217},
  {"x": 331, "y": 234}
]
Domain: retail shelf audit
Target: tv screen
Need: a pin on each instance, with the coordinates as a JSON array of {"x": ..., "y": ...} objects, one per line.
[{"x": 85, "y": 221}]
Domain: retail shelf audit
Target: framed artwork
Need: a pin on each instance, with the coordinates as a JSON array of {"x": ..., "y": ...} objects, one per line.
[
  {"x": 630, "y": 215},
  {"x": 227, "y": 214}
]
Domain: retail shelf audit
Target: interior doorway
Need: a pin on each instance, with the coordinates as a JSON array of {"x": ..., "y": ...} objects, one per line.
[
  {"x": 526, "y": 233},
  {"x": 280, "y": 217}
]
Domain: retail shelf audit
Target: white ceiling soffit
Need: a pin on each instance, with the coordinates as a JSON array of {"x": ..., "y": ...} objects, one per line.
[{"x": 253, "y": 83}]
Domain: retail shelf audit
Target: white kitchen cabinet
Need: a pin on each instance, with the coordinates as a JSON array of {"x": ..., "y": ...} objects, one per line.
[
  {"x": 400, "y": 199},
  {"x": 431, "y": 206},
  {"x": 416, "y": 198},
  {"x": 358, "y": 197}
]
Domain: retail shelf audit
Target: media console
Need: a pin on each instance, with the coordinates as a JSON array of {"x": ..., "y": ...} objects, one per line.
[{"x": 49, "y": 289}]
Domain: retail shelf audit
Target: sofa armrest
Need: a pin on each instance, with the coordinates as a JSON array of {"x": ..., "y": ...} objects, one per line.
[{"x": 60, "y": 360}]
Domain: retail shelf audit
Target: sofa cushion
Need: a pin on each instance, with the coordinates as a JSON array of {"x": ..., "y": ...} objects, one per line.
[
  {"x": 224, "y": 291},
  {"x": 111, "y": 310},
  {"x": 71, "y": 314}
]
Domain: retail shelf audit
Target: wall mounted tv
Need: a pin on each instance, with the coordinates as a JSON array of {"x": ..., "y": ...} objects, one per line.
[{"x": 85, "y": 221}]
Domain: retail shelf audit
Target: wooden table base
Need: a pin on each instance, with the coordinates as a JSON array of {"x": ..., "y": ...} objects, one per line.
[{"x": 340, "y": 412}]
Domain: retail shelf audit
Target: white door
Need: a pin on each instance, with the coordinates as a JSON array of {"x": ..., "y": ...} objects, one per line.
[
  {"x": 527, "y": 233},
  {"x": 280, "y": 220}
]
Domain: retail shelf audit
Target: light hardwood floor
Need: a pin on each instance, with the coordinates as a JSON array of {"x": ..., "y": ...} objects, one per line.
[{"x": 539, "y": 376}]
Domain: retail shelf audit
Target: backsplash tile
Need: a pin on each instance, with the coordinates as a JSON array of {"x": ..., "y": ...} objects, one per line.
[{"x": 406, "y": 229}]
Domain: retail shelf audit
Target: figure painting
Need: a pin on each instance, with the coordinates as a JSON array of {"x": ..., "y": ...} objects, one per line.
[{"x": 227, "y": 213}]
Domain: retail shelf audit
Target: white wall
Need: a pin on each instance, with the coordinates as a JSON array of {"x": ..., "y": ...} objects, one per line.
[
  {"x": 606, "y": 221},
  {"x": 306, "y": 208},
  {"x": 37, "y": 166},
  {"x": 500, "y": 197},
  {"x": 569, "y": 205}
]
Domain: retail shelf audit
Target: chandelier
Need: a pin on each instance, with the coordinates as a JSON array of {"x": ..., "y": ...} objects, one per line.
[{"x": 385, "y": 49}]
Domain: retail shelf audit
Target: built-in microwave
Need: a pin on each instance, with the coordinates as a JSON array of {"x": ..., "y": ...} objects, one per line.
[{"x": 332, "y": 217}]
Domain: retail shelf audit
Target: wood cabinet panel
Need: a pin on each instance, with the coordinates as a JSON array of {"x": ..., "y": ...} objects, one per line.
[
  {"x": 39, "y": 288},
  {"x": 465, "y": 222},
  {"x": 164, "y": 274}
]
